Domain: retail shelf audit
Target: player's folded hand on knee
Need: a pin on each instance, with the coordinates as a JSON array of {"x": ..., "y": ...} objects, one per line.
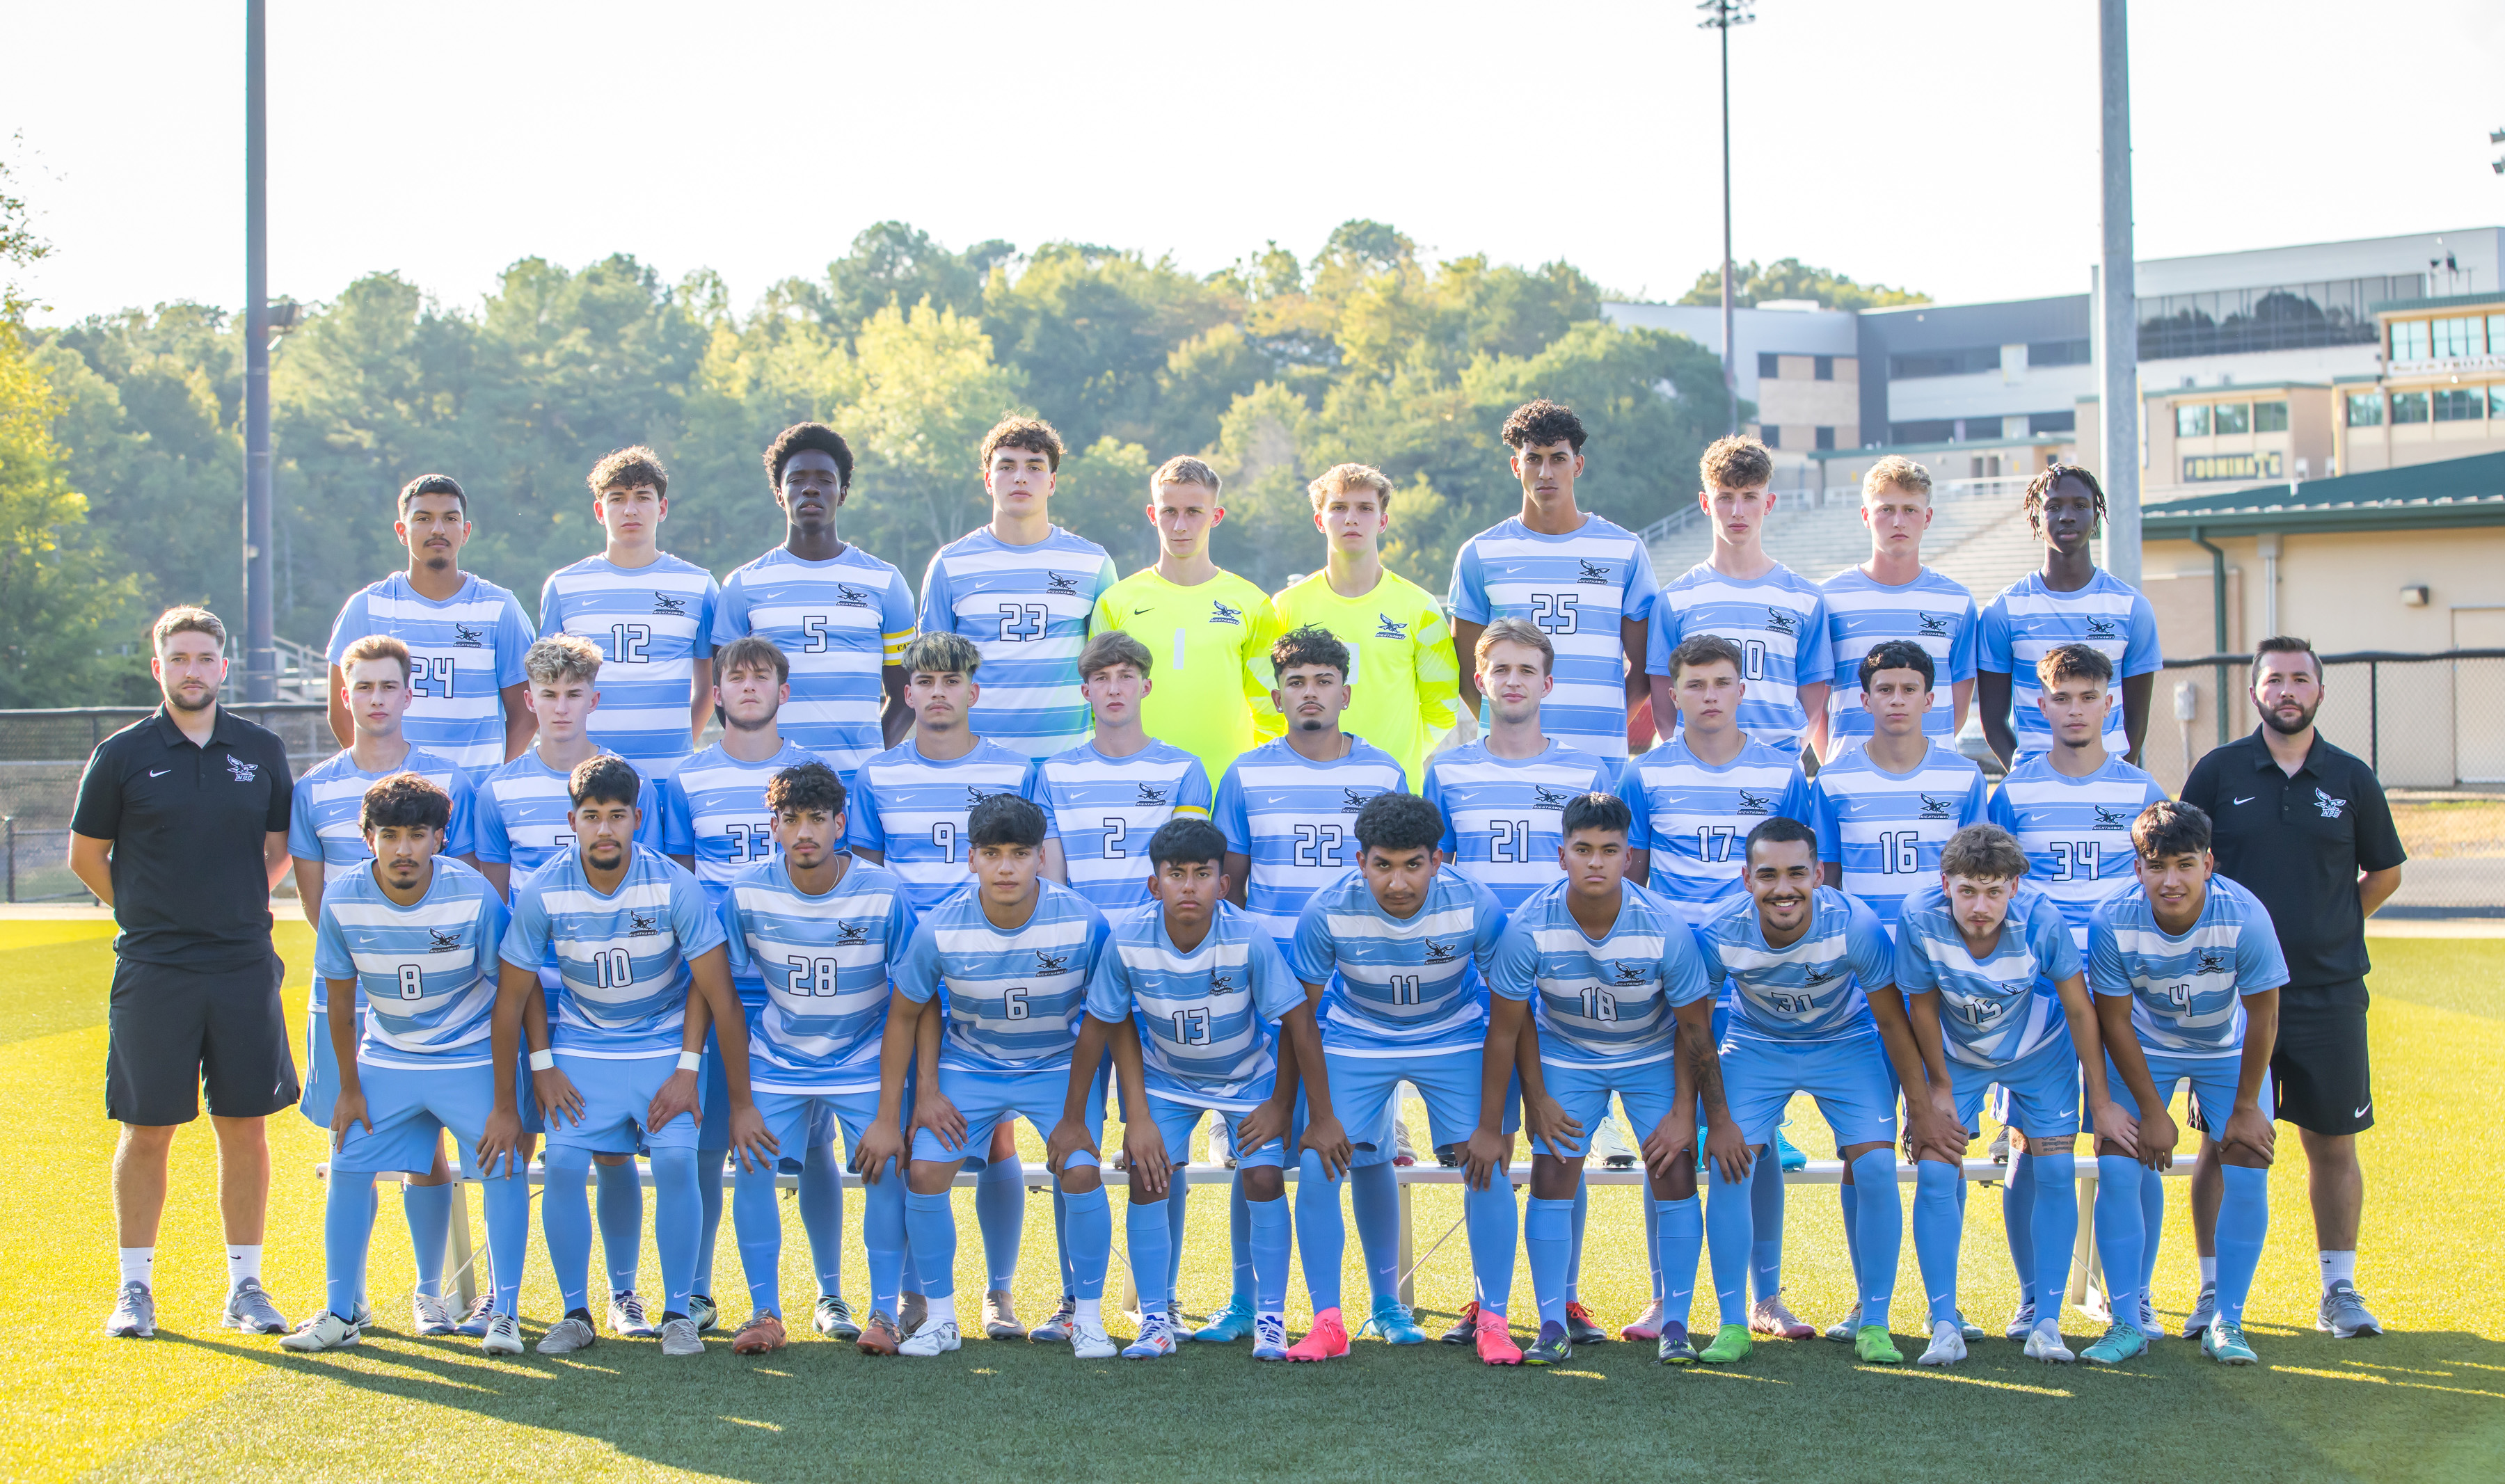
[
  {"x": 1481, "y": 1156},
  {"x": 2113, "y": 1126},
  {"x": 557, "y": 1095},
  {"x": 1731, "y": 1153},
  {"x": 2158, "y": 1137},
  {"x": 1329, "y": 1144},
  {"x": 501, "y": 1140},
  {"x": 881, "y": 1141},
  {"x": 933, "y": 1111},
  {"x": 1547, "y": 1120},
  {"x": 756, "y": 1144},
  {"x": 1068, "y": 1138},
  {"x": 1143, "y": 1151},
  {"x": 678, "y": 1095},
  {"x": 2247, "y": 1128},
  {"x": 1670, "y": 1145},
  {"x": 348, "y": 1111},
  {"x": 1268, "y": 1120}
]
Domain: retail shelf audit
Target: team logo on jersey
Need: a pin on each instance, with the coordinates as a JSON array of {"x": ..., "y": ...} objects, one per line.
[
  {"x": 1352, "y": 799},
  {"x": 2329, "y": 805},
  {"x": 849, "y": 596},
  {"x": 643, "y": 924},
  {"x": 1220, "y": 613},
  {"x": 1933, "y": 626},
  {"x": 1384, "y": 628},
  {"x": 244, "y": 772},
  {"x": 2100, "y": 628},
  {"x": 670, "y": 603},
  {"x": 1813, "y": 976},
  {"x": 1060, "y": 582},
  {"x": 1050, "y": 963},
  {"x": 2211, "y": 961},
  {"x": 975, "y": 795},
  {"x": 1593, "y": 572},
  {"x": 1542, "y": 797},
  {"x": 469, "y": 636},
  {"x": 1151, "y": 794},
  {"x": 1782, "y": 621},
  {"x": 1438, "y": 953},
  {"x": 1751, "y": 802},
  {"x": 444, "y": 939},
  {"x": 1222, "y": 983},
  {"x": 1938, "y": 808},
  {"x": 2110, "y": 817},
  {"x": 1629, "y": 974},
  {"x": 851, "y": 933}
]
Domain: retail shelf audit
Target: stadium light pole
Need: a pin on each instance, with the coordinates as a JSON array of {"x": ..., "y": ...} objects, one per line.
[
  {"x": 2118, "y": 319},
  {"x": 1721, "y": 16},
  {"x": 261, "y": 652}
]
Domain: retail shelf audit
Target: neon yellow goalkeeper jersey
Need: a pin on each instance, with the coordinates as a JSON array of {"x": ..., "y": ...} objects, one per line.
[
  {"x": 1202, "y": 642},
  {"x": 1404, "y": 689}
]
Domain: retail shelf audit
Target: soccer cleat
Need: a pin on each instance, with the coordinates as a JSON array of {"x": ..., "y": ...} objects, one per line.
[
  {"x": 135, "y": 1314},
  {"x": 762, "y": 1332},
  {"x": 481, "y": 1317},
  {"x": 1495, "y": 1340},
  {"x": 569, "y": 1335},
  {"x": 1774, "y": 1319},
  {"x": 704, "y": 1311},
  {"x": 1465, "y": 1325},
  {"x": 2021, "y": 1321},
  {"x": 1730, "y": 1345},
  {"x": 627, "y": 1316},
  {"x": 910, "y": 1311},
  {"x": 2098, "y": 1305},
  {"x": 1644, "y": 1326},
  {"x": 2118, "y": 1343},
  {"x": 1155, "y": 1341},
  {"x": 931, "y": 1340},
  {"x": 1872, "y": 1346},
  {"x": 1404, "y": 1154},
  {"x": 504, "y": 1336},
  {"x": 1552, "y": 1348},
  {"x": 1787, "y": 1157},
  {"x": 2344, "y": 1313},
  {"x": 1967, "y": 1329},
  {"x": 1270, "y": 1338},
  {"x": 2000, "y": 1145},
  {"x": 249, "y": 1309},
  {"x": 430, "y": 1316},
  {"x": 681, "y": 1337},
  {"x": 1088, "y": 1341},
  {"x": 1676, "y": 1347},
  {"x": 1948, "y": 1345},
  {"x": 1000, "y": 1316},
  {"x": 2205, "y": 1312},
  {"x": 2224, "y": 1343},
  {"x": 1328, "y": 1340},
  {"x": 325, "y": 1330},
  {"x": 2044, "y": 1344},
  {"x": 1843, "y": 1330},
  {"x": 1392, "y": 1320},
  {"x": 1580, "y": 1326},
  {"x": 1056, "y": 1329},
  {"x": 1227, "y": 1325},
  {"x": 1449, "y": 1156},
  {"x": 834, "y": 1318},
  {"x": 878, "y": 1337},
  {"x": 2148, "y": 1324},
  {"x": 1610, "y": 1146}
]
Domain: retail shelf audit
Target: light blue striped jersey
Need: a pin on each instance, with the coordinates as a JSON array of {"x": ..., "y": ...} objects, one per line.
[
  {"x": 1294, "y": 821},
  {"x": 1933, "y": 610},
  {"x": 1014, "y": 996},
  {"x": 2077, "y": 832},
  {"x": 1201, "y": 1014},
  {"x": 1608, "y": 1001},
  {"x": 2002, "y": 1007},
  {"x": 825, "y": 962},
  {"x": 1575, "y": 587},
  {"x": 1027, "y": 610},
  {"x": 713, "y": 810},
  {"x": 653, "y": 624},
  {"x": 461, "y": 653},
  {"x": 1504, "y": 818},
  {"x": 1413, "y": 986},
  {"x": 521, "y": 815},
  {"x": 1887, "y": 829},
  {"x": 913, "y": 810},
  {"x": 1778, "y": 621},
  {"x": 1104, "y": 810},
  {"x": 839, "y": 621},
  {"x": 2187, "y": 993},
  {"x": 325, "y": 822},
  {"x": 2029, "y": 620},
  {"x": 426, "y": 971},
  {"x": 1695, "y": 818},
  {"x": 623, "y": 954},
  {"x": 1815, "y": 990}
]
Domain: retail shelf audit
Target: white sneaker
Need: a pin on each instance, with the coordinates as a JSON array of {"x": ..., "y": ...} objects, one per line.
[
  {"x": 2021, "y": 1322},
  {"x": 1056, "y": 1329},
  {"x": 627, "y": 1316},
  {"x": 1609, "y": 1146},
  {"x": 504, "y": 1336},
  {"x": 1089, "y": 1341},
  {"x": 430, "y": 1314},
  {"x": 567, "y": 1336},
  {"x": 1947, "y": 1344},
  {"x": 680, "y": 1337},
  {"x": 2044, "y": 1343},
  {"x": 931, "y": 1340},
  {"x": 324, "y": 1331}
]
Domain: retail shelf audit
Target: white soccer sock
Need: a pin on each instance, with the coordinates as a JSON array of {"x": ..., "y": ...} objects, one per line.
[
  {"x": 139, "y": 1264},
  {"x": 1091, "y": 1313},
  {"x": 941, "y": 1311},
  {"x": 2208, "y": 1270},
  {"x": 2338, "y": 1267},
  {"x": 242, "y": 1262}
]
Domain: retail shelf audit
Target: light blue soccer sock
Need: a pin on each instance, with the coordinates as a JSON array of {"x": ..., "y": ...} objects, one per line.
[
  {"x": 2119, "y": 1232},
  {"x": 1492, "y": 1221},
  {"x": 1151, "y": 1251},
  {"x": 621, "y": 1221},
  {"x": 1939, "y": 1228},
  {"x": 2243, "y": 1220},
  {"x": 1089, "y": 1232},
  {"x": 932, "y": 1225},
  {"x": 429, "y": 1210},
  {"x": 1678, "y": 1244},
  {"x": 1653, "y": 1249},
  {"x": 678, "y": 1224},
  {"x": 1880, "y": 1215},
  {"x": 2017, "y": 1207},
  {"x": 1374, "y": 1194},
  {"x": 1574, "y": 1268},
  {"x": 565, "y": 1220},
  {"x": 883, "y": 1241},
  {"x": 710, "y": 1164},
  {"x": 1322, "y": 1236},
  {"x": 2152, "y": 1225},
  {"x": 347, "y": 1229},
  {"x": 758, "y": 1221},
  {"x": 1730, "y": 1221},
  {"x": 1270, "y": 1242},
  {"x": 1178, "y": 1192},
  {"x": 2054, "y": 1227},
  {"x": 1548, "y": 1237},
  {"x": 1239, "y": 1239},
  {"x": 1851, "y": 1200},
  {"x": 1000, "y": 1210},
  {"x": 821, "y": 1202},
  {"x": 507, "y": 1202},
  {"x": 1061, "y": 1239},
  {"x": 1766, "y": 1197}
]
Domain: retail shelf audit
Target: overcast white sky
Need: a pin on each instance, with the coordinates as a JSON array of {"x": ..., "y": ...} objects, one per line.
[{"x": 1948, "y": 146}]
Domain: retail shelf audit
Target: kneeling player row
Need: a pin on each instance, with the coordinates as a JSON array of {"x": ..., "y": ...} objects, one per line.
[{"x": 1398, "y": 971}]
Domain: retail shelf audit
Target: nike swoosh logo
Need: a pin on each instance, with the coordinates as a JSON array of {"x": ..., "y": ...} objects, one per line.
[
  {"x": 2361, "y": 1113},
  {"x": 161, "y": 772},
  {"x": 1136, "y": 612},
  {"x": 2248, "y": 799}
]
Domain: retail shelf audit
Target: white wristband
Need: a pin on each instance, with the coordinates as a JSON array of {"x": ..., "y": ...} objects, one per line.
[
  {"x": 542, "y": 1061},
  {"x": 688, "y": 1061}
]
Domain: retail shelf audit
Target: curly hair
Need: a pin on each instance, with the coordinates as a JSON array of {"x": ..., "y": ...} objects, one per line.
[
  {"x": 1535, "y": 424},
  {"x": 561, "y": 656},
  {"x": 1032, "y": 434},
  {"x": 627, "y": 468},
  {"x": 403, "y": 801},
  {"x": 2040, "y": 487},
  {"x": 1311, "y": 645},
  {"x": 1397, "y": 821},
  {"x": 814, "y": 435},
  {"x": 1983, "y": 853},
  {"x": 1739, "y": 462},
  {"x": 1897, "y": 655},
  {"x": 805, "y": 788}
]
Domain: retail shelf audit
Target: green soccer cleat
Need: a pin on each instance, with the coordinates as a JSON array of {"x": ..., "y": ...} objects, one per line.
[
  {"x": 1552, "y": 1348},
  {"x": 1872, "y": 1346},
  {"x": 2122, "y": 1341},
  {"x": 1730, "y": 1345},
  {"x": 2224, "y": 1343}
]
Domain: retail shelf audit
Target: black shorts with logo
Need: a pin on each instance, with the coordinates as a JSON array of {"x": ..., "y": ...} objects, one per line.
[
  {"x": 174, "y": 1030},
  {"x": 2318, "y": 1068}
]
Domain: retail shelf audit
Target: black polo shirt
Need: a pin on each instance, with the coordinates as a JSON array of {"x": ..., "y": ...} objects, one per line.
[
  {"x": 187, "y": 824},
  {"x": 2298, "y": 843}
]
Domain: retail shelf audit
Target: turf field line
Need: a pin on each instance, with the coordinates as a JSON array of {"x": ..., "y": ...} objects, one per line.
[
  {"x": 1944, "y": 1373},
  {"x": 2418, "y": 1385}
]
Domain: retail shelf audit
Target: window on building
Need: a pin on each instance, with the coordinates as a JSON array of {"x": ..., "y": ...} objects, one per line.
[
  {"x": 1824, "y": 370},
  {"x": 2496, "y": 334},
  {"x": 2232, "y": 417},
  {"x": 2053, "y": 422},
  {"x": 2459, "y": 404},
  {"x": 1771, "y": 436},
  {"x": 2057, "y": 352},
  {"x": 2410, "y": 340},
  {"x": 1827, "y": 437},
  {"x": 2408, "y": 406},
  {"x": 1769, "y": 365},
  {"x": 1928, "y": 430},
  {"x": 2496, "y": 401},
  {"x": 2191, "y": 419},
  {"x": 2292, "y": 316},
  {"x": 2365, "y": 409},
  {"x": 2460, "y": 335},
  {"x": 2269, "y": 417},
  {"x": 1945, "y": 363}
]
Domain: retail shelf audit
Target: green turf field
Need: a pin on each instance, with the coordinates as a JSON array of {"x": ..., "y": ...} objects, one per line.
[{"x": 2428, "y": 1403}]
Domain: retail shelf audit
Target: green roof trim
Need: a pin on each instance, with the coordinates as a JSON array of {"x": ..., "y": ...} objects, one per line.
[
  {"x": 2449, "y": 302},
  {"x": 2452, "y": 492}
]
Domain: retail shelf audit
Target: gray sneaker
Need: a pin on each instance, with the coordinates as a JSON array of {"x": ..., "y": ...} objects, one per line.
[
  {"x": 2344, "y": 1313},
  {"x": 704, "y": 1311},
  {"x": 135, "y": 1314},
  {"x": 567, "y": 1336},
  {"x": 249, "y": 1309},
  {"x": 1844, "y": 1330},
  {"x": 2205, "y": 1312},
  {"x": 626, "y": 1318},
  {"x": 1057, "y": 1329},
  {"x": 430, "y": 1314},
  {"x": 679, "y": 1337},
  {"x": 482, "y": 1316}
]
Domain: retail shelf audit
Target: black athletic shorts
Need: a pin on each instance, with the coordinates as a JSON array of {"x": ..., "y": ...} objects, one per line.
[
  {"x": 2319, "y": 1071},
  {"x": 175, "y": 1031}
]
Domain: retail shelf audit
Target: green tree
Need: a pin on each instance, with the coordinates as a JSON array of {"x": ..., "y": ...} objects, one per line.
[
  {"x": 1791, "y": 278},
  {"x": 930, "y": 390},
  {"x": 1093, "y": 328}
]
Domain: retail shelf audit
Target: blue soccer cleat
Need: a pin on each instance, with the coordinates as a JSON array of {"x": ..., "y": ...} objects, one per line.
[
  {"x": 1227, "y": 1325},
  {"x": 1789, "y": 1157},
  {"x": 1390, "y": 1319}
]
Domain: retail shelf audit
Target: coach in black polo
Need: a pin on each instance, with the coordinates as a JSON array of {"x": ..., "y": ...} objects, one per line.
[
  {"x": 2303, "y": 826},
  {"x": 182, "y": 829}
]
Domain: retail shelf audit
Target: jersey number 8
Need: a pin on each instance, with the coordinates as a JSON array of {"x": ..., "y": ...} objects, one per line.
[{"x": 412, "y": 983}]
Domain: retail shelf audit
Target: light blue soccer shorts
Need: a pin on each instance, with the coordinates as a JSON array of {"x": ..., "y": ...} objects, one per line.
[
  {"x": 616, "y": 1095},
  {"x": 1178, "y": 1107},
  {"x": 408, "y": 1108},
  {"x": 2212, "y": 1079},
  {"x": 985, "y": 1098},
  {"x": 1855, "y": 1086},
  {"x": 1362, "y": 1098},
  {"x": 1647, "y": 1089},
  {"x": 322, "y": 1084},
  {"x": 714, "y": 1134},
  {"x": 2037, "y": 1094}
]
